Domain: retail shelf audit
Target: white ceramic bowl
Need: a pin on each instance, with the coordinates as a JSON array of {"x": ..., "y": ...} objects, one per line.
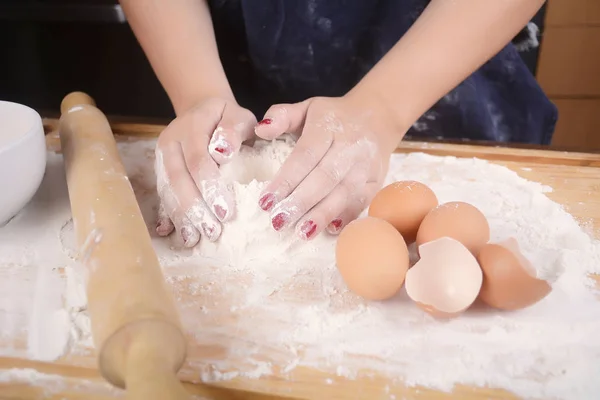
[{"x": 22, "y": 157}]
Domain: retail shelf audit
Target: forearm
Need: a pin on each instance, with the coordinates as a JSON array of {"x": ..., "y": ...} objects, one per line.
[
  {"x": 178, "y": 39},
  {"x": 450, "y": 40}
]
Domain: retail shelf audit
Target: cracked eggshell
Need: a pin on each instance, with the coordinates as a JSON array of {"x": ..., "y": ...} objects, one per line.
[
  {"x": 458, "y": 220},
  {"x": 404, "y": 204},
  {"x": 372, "y": 258},
  {"x": 509, "y": 280},
  {"x": 446, "y": 280}
]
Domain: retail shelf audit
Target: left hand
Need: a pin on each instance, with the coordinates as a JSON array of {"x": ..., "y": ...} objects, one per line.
[{"x": 337, "y": 166}]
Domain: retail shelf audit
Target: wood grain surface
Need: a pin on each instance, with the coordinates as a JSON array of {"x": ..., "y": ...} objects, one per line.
[{"x": 575, "y": 178}]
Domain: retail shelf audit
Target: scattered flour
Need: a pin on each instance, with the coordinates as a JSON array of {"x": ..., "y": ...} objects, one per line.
[
  {"x": 52, "y": 385},
  {"x": 265, "y": 302}
]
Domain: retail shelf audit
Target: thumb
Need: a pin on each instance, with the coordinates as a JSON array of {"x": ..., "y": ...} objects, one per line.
[
  {"x": 283, "y": 118},
  {"x": 234, "y": 128}
]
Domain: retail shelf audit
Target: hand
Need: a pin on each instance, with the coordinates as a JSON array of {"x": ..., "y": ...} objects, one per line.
[
  {"x": 193, "y": 199},
  {"x": 339, "y": 162}
]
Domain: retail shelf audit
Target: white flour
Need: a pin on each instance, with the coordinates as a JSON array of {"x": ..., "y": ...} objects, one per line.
[
  {"x": 52, "y": 385},
  {"x": 257, "y": 292}
]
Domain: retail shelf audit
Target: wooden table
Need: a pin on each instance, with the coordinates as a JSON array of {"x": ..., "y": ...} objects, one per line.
[{"x": 575, "y": 178}]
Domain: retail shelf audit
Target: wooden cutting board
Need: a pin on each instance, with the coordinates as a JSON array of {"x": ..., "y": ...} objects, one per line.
[{"x": 575, "y": 178}]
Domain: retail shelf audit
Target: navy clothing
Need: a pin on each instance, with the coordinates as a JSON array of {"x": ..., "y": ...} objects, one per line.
[{"x": 285, "y": 51}]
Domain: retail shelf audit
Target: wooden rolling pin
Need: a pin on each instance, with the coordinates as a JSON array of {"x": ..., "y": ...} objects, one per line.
[{"x": 135, "y": 325}]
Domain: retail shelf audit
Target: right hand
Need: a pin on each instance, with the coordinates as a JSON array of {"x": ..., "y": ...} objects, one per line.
[{"x": 193, "y": 198}]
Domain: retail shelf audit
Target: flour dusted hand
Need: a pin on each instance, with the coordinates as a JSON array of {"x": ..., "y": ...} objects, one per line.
[
  {"x": 337, "y": 166},
  {"x": 193, "y": 199}
]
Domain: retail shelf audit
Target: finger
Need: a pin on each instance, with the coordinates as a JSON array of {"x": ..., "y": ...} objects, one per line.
[
  {"x": 235, "y": 127},
  {"x": 188, "y": 233},
  {"x": 176, "y": 216},
  {"x": 204, "y": 220},
  {"x": 310, "y": 149},
  {"x": 168, "y": 217},
  {"x": 206, "y": 176},
  {"x": 282, "y": 118},
  {"x": 354, "y": 208},
  {"x": 321, "y": 181},
  {"x": 170, "y": 203},
  {"x": 164, "y": 225},
  {"x": 319, "y": 217},
  {"x": 181, "y": 196}
]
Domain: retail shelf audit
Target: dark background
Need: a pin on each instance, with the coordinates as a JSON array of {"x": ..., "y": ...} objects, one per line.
[{"x": 52, "y": 47}]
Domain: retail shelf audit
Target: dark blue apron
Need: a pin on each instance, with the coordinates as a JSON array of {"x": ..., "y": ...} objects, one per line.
[{"x": 285, "y": 51}]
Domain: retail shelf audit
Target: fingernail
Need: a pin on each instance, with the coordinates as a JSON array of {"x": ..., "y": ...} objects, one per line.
[
  {"x": 219, "y": 144},
  {"x": 208, "y": 230},
  {"x": 266, "y": 121},
  {"x": 226, "y": 151},
  {"x": 186, "y": 233},
  {"x": 164, "y": 227},
  {"x": 308, "y": 229},
  {"x": 211, "y": 231},
  {"x": 266, "y": 202},
  {"x": 220, "y": 212},
  {"x": 335, "y": 225},
  {"x": 279, "y": 220}
]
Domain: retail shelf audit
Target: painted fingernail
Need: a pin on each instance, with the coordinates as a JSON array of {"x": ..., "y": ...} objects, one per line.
[
  {"x": 220, "y": 211},
  {"x": 186, "y": 233},
  {"x": 219, "y": 144},
  {"x": 279, "y": 221},
  {"x": 223, "y": 150},
  {"x": 335, "y": 225},
  {"x": 266, "y": 202},
  {"x": 308, "y": 229},
  {"x": 266, "y": 121},
  {"x": 211, "y": 231},
  {"x": 208, "y": 230}
]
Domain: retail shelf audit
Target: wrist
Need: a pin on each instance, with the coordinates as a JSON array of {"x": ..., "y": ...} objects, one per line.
[
  {"x": 183, "y": 101},
  {"x": 391, "y": 120}
]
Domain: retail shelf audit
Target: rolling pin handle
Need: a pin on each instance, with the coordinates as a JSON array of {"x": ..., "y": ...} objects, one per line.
[{"x": 75, "y": 99}]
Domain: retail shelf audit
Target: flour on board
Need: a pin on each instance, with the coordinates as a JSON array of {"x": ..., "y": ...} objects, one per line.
[{"x": 267, "y": 302}]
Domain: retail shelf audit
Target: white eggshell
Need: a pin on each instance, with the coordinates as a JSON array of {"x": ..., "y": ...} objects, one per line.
[{"x": 447, "y": 278}]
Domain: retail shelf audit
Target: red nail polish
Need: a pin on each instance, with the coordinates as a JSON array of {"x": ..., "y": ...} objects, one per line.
[
  {"x": 208, "y": 230},
  {"x": 220, "y": 212},
  {"x": 226, "y": 151},
  {"x": 266, "y": 202},
  {"x": 164, "y": 227},
  {"x": 334, "y": 226},
  {"x": 266, "y": 121},
  {"x": 308, "y": 229},
  {"x": 279, "y": 220},
  {"x": 185, "y": 234}
]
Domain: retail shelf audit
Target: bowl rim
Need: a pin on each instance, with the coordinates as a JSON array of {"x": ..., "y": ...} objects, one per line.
[{"x": 36, "y": 124}]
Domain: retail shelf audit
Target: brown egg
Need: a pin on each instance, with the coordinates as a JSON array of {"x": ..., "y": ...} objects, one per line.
[
  {"x": 458, "y": 220},
  {"x": 404, "y": 204},
  {"x": 446, "y": 280},
  {"x": 509, "y": 279},
  {"x": 372, "y": 258}
]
